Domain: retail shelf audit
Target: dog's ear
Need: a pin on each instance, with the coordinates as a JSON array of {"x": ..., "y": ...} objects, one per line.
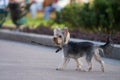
[
  {"x": 56, "y": 30},
  {"x": 65, "y": 29},
  {"x": 66, "y": 34}
]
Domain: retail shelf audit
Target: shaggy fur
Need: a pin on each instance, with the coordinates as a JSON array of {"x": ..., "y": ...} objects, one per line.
[{"x": 76, "y": 50}]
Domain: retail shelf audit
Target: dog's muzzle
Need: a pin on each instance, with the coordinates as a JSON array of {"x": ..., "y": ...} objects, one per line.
[{"x": 56, "y": 40}]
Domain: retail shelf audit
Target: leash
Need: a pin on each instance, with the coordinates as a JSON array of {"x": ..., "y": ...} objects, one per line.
[
  {"x": 36, "y": 42},
  {"x": 59, "y": 49}
]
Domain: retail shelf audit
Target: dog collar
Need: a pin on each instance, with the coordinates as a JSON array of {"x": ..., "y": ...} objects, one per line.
[{"x": 59, "y": 49}]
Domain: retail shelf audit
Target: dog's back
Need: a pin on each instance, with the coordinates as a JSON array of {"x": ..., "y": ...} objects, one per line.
[{"x": 78, "y": 49}]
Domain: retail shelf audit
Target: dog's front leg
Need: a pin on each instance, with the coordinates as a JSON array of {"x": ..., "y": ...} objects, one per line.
[
  {"x": 78, "y": 65},
  {"x": 66, "y": 61}
]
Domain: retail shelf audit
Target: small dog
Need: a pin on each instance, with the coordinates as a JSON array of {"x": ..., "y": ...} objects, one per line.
[{"x": 76, "y": 50}]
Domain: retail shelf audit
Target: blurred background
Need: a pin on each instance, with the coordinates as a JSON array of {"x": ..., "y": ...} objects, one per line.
[{"x": 86, "y": 19}]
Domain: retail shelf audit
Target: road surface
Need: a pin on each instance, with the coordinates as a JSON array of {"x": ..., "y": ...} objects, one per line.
[{"x": 20, "y": 61}]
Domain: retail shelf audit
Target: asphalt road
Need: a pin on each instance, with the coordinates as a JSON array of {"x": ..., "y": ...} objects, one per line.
[{"x": 20, "y": 61}]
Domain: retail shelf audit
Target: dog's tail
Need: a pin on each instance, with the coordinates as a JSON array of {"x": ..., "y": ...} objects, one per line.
[{"x": 107, "y": 47}]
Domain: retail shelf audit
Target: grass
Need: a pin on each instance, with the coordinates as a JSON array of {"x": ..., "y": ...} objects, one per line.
[{"x": 34, "y": 23}]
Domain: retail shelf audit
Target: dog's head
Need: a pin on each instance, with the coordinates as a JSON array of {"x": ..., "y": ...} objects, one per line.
[{"x": 61, "y": 36}]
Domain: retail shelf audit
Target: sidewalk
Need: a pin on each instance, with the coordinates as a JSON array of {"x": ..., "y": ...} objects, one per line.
[
  {"x": 46, "y": 40},
  {"x": 19, "y": 61}
]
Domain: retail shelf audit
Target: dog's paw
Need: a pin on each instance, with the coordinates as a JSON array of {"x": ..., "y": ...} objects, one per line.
[
  {"x": 103, "y": 70},
  {"x": 60, "y": 69},
  {"x": 82, "y": 70},
  {"x": 89, "y": 69},
  {"x": 78, "y": 69}
]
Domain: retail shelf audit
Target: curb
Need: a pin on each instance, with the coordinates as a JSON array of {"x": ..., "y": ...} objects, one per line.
[
  {"x": 47, "y": 40},
  {"x": 26, "y": 37}
]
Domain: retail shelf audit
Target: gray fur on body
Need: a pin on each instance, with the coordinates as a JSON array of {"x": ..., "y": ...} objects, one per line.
[
  {"x": 79, "y": 49},
  {"x": 76, "y": 50}
]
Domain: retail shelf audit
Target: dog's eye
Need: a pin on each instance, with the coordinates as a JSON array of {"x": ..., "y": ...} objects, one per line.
[{"x": 60, "y": 36}]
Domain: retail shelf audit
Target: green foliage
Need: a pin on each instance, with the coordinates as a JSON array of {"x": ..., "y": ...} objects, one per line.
[
  {"x": 34, "y": 23},
  {"x": 3, "y": 15},
  {"x": 108, "y": 17},
  {"x": 68, "y": 17},
  {"x": 102, "y": 15}
]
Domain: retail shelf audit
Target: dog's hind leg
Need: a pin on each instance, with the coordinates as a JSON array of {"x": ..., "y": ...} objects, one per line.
[
  {"x": 88, "y": 59},
  {"x": 89, "y": 65},
  {"x": 78, "y": 65},
  {"x": 66, "y": 61},
  {"x": 98, "y": 58}
]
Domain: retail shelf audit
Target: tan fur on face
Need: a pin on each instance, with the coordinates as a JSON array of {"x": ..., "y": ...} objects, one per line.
[{"x": 61, "y": 36}]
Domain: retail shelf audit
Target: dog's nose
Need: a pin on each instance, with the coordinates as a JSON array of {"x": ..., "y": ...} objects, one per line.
[{"x": 55, "y": 39}]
